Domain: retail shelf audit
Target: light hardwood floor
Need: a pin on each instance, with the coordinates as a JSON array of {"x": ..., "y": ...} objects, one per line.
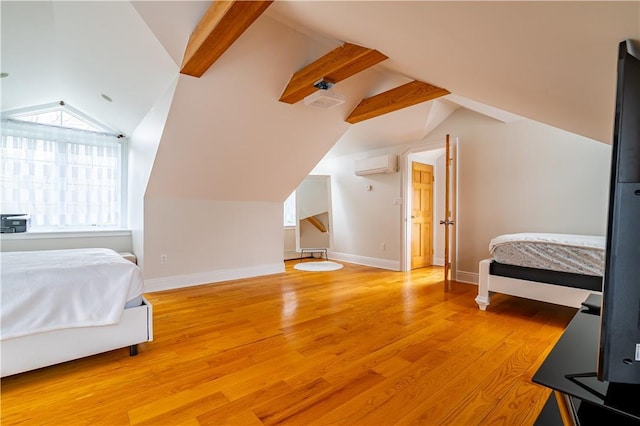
[{"x": 359, "y": 346}]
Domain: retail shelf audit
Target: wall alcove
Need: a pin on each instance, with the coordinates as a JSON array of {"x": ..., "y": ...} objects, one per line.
[{"x": 313, "y": 214}]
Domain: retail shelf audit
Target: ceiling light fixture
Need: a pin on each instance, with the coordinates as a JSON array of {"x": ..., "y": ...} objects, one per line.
[{"x": 324, "y": 99}]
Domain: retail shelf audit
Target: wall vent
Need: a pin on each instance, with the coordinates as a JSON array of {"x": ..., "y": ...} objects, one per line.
[{"x": 324, "y": 99}]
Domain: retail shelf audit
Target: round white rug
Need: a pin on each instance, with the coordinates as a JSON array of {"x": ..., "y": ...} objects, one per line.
[{"x": 318, "y": 266}]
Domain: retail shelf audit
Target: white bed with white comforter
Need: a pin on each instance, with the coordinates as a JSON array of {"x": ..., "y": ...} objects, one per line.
[
  {"x": 59, "y": 305},
  {"x": 575, "y": 261}
]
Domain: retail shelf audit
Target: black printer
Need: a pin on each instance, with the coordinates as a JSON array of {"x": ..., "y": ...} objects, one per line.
[{"x": 12, "y": 223}]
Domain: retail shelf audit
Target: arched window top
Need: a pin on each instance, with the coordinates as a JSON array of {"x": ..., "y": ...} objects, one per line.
[{"x": 58, "y": 114}]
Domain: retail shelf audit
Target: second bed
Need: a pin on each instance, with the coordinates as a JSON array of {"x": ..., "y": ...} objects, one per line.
[{"x": 556, "y": 268}]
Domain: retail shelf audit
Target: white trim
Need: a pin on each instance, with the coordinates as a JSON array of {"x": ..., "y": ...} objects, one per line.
[
  {"x": 57, "y": 106},
  {"x": 467, "y": 277},
  {"x": 392, "y": 265},
  {"x": 43, "y": 235},
  {"x": 124, "y": 182},
  {"x": 180, "y": 281}
]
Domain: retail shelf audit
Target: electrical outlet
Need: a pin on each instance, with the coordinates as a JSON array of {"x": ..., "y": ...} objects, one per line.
[{"x": 163, "y": 259}]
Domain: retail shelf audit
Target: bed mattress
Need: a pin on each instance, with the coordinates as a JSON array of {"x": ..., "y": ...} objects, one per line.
[{"x": 575, "y": 254}]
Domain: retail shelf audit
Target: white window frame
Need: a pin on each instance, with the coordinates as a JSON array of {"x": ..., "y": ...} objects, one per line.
[
  {"x": 15, "y": 114},
  {"x": 289, "y": 204}
]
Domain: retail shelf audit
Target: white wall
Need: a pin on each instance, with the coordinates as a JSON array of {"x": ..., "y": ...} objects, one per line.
[
  {"x": 143, "y": 145},
  {"x": 524, "y": 177},
  {"x": 226, "y": 138},
  {"x": 230, "y": 153},
  {"x": 209, "y": 241},
  {"x": 290, "y": 243},
  {"x": 513, "y": 177},
  {"x": 366, "y": 223}
]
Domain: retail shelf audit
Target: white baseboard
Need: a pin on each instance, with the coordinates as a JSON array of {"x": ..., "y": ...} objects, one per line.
[
  {"x": 392, "y": 265},
  {"x": 438, "y": 261},
  {"x": 467, "y": 277},
  {"x": 179, "y": 281}
]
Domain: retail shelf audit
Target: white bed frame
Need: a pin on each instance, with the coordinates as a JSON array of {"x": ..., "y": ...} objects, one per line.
[
  {"x": 560, "y": 295},
  {"x": 33, "y": 351}
]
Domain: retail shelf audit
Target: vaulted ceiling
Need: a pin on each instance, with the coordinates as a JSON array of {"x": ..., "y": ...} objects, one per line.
[
  {"x": 225, "y": 21},
  {"x": 552, "y": 62}
]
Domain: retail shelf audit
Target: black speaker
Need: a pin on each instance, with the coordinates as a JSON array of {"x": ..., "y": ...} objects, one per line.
[{"x": 619, "y": 351}]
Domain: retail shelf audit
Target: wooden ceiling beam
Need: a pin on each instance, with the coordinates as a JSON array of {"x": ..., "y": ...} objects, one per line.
[
  {"x": 218, "y": 29},
  {"x": 317, "y": 223},
  {"x": 409, "y": 94},
  {"x": 337, "y": 65}
]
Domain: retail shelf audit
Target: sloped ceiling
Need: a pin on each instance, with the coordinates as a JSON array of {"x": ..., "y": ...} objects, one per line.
[
  {"x": 228, "y": 137},
  {"x": 77, "y": 51},
  {"x": 554, "y": 62}
]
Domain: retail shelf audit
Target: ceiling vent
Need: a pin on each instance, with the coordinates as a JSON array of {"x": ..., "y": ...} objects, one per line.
[{"x": 324, "y": 99}]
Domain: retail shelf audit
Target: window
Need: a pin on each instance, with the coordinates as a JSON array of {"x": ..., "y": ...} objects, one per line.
[
  {"x": 62, "y": 177},
  {"x": 290, "y": 210},
  {"x": 59, "y": 118}
]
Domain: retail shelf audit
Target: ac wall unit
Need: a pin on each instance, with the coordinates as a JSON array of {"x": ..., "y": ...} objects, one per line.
[{"x": 373, "y": 165}]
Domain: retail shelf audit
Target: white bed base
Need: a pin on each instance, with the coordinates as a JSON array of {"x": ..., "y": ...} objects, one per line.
[
  {"x": 33, "y": 351},
  {"x": 560, "y": 295}
]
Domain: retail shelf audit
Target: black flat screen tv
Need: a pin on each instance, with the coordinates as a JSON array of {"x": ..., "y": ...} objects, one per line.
[{"x": 619, "y": 349}]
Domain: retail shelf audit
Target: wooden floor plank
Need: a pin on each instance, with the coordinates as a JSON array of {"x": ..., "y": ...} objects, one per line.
[{"x": 358, "y": 346}]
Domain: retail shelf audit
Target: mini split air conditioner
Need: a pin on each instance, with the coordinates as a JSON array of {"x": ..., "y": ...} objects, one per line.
[{"x": 381, "y": 164}]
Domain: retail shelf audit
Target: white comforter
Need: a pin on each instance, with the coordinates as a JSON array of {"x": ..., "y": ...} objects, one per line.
[{"x": 54, "y": 289}]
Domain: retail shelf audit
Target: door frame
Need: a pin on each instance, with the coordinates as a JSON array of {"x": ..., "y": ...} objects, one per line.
[{"x": 405, "y": 182}]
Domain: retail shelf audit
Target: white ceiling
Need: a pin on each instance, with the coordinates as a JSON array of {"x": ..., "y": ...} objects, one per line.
[
  {"x": 553, "y": 62},
  {"x": 77, "y": 51}
]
